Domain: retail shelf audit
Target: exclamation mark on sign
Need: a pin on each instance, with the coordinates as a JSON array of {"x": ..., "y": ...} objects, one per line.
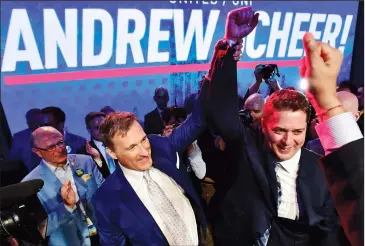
[{"x": 345, "y": 33}]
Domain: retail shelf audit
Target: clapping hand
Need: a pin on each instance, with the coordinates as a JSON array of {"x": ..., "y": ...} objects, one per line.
[
  {"x": 92, "y": 151},
  {"x": 68, "y": 194}
]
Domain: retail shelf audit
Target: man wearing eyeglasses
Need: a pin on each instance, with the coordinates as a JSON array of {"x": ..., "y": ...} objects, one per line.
[{"x": 69, "y": 183}]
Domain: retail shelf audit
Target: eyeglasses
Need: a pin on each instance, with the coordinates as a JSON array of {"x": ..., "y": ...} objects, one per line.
[{"x": 52, "y": 148}]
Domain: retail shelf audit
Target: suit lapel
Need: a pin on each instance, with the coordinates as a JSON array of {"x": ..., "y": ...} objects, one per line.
[
  {"x": 129, "y": 198},
  {"x": 259, "y": 161},
  {"x": 92, "y": 144},
  {"x": 305, "y": 182},
  {"x": 80, "y": 183},
  {"x": 48, "y": 176},
  {"x": 158, "y": 118}
]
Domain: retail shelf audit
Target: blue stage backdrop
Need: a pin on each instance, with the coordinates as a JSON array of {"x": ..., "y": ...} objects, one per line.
[{"x": 81, "y": 56}]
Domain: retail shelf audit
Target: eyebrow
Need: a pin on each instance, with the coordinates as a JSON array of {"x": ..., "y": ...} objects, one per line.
[
  {"x": 132, "y": 145},
  {"x": 286, "y": 130}
]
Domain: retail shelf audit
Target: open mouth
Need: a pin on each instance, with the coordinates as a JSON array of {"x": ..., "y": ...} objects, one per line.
[{"x": 284, "y": 150}]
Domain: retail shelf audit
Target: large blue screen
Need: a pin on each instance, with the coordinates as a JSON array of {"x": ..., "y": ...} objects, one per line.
[{"x": 81, "y": 56}]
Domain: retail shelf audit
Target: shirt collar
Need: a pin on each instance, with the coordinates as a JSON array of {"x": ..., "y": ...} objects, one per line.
[
  {"x": 292, "y": 165},
  {"x": 134, "y": 177},
  {"x": 159, "y": 110},
  {"x": 99, "y": 144},
  {"x": 54, "y": 169}
]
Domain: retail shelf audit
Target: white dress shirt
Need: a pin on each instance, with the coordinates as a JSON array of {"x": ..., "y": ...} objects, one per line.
[
  {"x": 287, "y": 172},
  {"x": 175, "y": 194},
  {"x": 63, "y": 174},
  {"x": 196, "y": 161},
  {"x": 101, "y": 147},
  {"x": 338, "y": 131}
]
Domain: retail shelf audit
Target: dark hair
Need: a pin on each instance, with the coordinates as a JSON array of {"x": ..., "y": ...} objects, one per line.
[
  {"x": 166, "y": 92},
  {"x": 287, "y": 100},
  {"x": 176, "y": 112},
  {"x": 347, "y": 84},
  {"x": 115, "y": 123},
  {"x": 57, "y": 113},
  {"x": 106, "y": 109},
  {"x": 31, "y": 112},
  {"x": 92, "y": 115}
]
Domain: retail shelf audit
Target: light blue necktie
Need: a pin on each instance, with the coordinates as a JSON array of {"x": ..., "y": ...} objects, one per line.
[{"x": 110, "y": 161}]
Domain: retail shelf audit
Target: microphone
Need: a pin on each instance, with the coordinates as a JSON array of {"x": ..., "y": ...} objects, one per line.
[{"x": 15, "y": 193}]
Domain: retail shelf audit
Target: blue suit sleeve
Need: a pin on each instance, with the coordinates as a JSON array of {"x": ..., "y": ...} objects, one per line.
[
  {"x": 188, "y": 132},
  {"x": 108, "y": 234},
  {"x": 98, "y": 177}
]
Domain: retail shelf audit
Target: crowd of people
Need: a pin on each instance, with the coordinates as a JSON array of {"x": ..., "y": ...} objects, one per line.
[{"x": 221, "y": 170}]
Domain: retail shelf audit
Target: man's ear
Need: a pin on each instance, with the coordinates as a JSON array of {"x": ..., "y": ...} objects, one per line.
[
  {"x": 357, "y": 115},
  {"x": 37, "y": 152},
  {"x": 88, "y": 130},
  {"x": 263, "y": 125},
  {"x": 111, "y": 153}
]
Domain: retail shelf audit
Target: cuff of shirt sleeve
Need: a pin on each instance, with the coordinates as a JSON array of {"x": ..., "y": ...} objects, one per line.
[
  {"x": 338, "y": 131},
  {"x": 195, "y": 152},
  {"x": 70, "y": 209},
  {"x": 230, "y": 42},
  {"x": 99, "y": 162}
]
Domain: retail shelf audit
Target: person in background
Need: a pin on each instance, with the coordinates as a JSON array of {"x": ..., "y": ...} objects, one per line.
[
  {"x": 107, "y": 110},
  {"x": 190, "y": 159},
  {"x": 21, "y": 147},
  {"x": 95, "y": 148},
  {"x": 70, "y": 181},
  {"x": 153, "y": 120},
  {"x": 350, "y": 104},
  {"x": 252, "y": 112},
  {"x": 343, "y": 164},
  {"x": 347, "y": 86},
  {"x": 55, "y": 117}
]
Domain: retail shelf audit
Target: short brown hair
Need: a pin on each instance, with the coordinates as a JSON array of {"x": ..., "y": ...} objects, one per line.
[
  {"x": 115, "y": 123},
  {"x": 287, "y": 100}
]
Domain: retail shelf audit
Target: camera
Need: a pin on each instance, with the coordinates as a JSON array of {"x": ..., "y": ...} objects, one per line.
[
  {"x": 267, "y": 71},
  {"x": 246, "y": 117},
  {"x": 22, "y": 215}
]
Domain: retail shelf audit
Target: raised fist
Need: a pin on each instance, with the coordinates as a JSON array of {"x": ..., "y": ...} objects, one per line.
[
  {"x": 240, "y": 23},
  {"x": 320, "y": 66}
]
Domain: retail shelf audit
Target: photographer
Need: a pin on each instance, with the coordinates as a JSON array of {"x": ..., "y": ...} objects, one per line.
[
  {"x": 265, "y": 73},
  {"x": 252, "y": 111}
]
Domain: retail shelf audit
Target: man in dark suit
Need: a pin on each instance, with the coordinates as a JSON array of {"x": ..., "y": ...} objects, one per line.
[
  {"x": 280, "y": 196},
  {"x": 55, "y": 117},
  {"x": 343, "y": 164},
  {"x": 21, "y": 148},
  {"x": 95, "y": 147},
  {"x": 153, "y": 120},
  {"x": 148, "y": 200}
]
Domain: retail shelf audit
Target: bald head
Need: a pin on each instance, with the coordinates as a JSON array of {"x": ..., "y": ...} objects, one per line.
[
  {"x": 48, "y": 144},
  {"x": 40, "y": 136},
  {"x": 349, "y": 101},
  {"x": 255, "y": 102}
]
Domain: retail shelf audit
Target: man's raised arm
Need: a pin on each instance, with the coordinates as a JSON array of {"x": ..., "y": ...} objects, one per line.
[{"x": 221, "y": 84}]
